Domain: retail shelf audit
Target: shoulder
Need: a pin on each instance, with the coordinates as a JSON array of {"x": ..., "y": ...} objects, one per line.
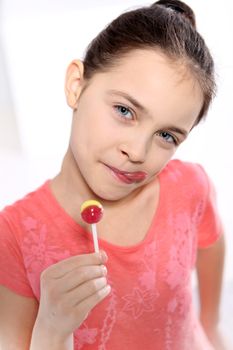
[
  {"x": 186, "y": 175},
  {"x": 11, "y": 216},
  {"x": 184, "y": 168}
]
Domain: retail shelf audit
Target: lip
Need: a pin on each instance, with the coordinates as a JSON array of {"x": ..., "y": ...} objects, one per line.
[{"x": 128, "y": 177}]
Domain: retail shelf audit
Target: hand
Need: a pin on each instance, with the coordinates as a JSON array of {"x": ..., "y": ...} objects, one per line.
[{"x": 70, "y": 289}]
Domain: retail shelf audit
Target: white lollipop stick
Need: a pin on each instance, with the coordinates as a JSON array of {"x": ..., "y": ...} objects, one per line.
[{"x": 95, "y": 238}]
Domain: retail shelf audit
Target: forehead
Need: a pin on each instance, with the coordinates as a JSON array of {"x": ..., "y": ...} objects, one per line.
[
  {"x": 166, "y": 88},
  {"x": 150, "y": 66}
]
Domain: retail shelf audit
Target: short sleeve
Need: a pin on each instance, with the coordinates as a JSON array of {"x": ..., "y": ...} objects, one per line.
[
  {"x": 12, "y": 272},
  {"x": 210, "y": 226}
]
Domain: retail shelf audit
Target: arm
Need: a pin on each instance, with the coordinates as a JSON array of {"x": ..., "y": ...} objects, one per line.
[
  {"x": 17, "y": 319},
  {"x": 70, "y": 289},
  {"x": 210, "y": 263},
  {"x": 18, "y": 326}
]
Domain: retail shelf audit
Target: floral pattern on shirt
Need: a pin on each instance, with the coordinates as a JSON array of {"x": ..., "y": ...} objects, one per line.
[
  {"x": 85, "y": 335},
  {"x": 139, "y": 301},
  {"x": 39, "y": 253}
]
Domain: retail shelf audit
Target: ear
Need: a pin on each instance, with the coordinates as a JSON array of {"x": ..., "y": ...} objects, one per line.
[{"x": 74, "y": 82}]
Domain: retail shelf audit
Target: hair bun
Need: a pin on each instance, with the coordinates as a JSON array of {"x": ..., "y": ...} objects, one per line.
[{"x": 179, "y": 7}]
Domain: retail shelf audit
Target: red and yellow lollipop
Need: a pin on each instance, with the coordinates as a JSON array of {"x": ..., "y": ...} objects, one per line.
[{"x": 92, "y": 212}]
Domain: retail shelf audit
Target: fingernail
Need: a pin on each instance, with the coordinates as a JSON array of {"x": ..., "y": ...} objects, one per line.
[
  {"x": 100, "y": 282},
  {"x": 104, "y": 256},
  {"x": 104, "y": 269},
  {"x": 107, "y": 289}
]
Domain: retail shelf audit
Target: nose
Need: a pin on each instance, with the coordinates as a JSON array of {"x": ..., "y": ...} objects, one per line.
[{"x": 136, "y": 150}]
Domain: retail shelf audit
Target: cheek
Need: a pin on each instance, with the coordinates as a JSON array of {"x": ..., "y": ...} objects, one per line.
[
  {"x": 158, "y": 160},
  {"x": 79, "y": 143},
  {"x": 87, "y": 141}
]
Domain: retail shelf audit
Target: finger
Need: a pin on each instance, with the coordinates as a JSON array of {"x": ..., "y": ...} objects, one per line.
[
  {"x": 63, "y": 267},
  {"x": 85, "y": 290},
  {"x": 90, "y": 302},
  {"x": 78, "y": 276}
]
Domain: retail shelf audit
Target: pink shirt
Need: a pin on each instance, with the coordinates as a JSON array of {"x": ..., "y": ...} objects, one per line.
[{"x": 150, "y": 305}]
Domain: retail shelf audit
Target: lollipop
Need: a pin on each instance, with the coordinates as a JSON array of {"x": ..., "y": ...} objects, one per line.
[{"x": 92, "y": 212}]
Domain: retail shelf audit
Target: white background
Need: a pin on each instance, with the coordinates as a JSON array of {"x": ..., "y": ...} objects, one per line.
[{"x": 39, "y": 38}]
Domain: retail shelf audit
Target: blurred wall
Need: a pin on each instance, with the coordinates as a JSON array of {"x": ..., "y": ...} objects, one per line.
[{"x": 9, "y": 133}]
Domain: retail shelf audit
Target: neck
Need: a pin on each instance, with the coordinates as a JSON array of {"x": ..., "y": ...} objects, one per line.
[{"x": 71, "y": 180}]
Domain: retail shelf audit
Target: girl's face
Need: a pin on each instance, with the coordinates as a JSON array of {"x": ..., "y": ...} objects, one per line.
[{"x": 129, "y": 121}]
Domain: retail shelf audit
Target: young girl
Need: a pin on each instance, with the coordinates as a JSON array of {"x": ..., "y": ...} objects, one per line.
[{"x": 145, "y": 82}]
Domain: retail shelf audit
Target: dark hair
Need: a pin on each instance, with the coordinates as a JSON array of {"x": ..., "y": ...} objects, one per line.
[{"x": 168, "y": 26}]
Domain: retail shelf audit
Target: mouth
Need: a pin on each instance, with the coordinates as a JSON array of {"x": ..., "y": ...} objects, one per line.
[{"x": 128, "y": 177}]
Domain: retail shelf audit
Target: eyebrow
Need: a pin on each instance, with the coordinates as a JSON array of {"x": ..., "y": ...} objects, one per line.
[
  {"x": 131, "y": 99},
  {"x": 178, "y": 130},
  {"x": 139, "y": 106}
]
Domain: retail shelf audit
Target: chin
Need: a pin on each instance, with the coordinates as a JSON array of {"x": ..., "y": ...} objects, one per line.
[{"x": 110, "y": 195}]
